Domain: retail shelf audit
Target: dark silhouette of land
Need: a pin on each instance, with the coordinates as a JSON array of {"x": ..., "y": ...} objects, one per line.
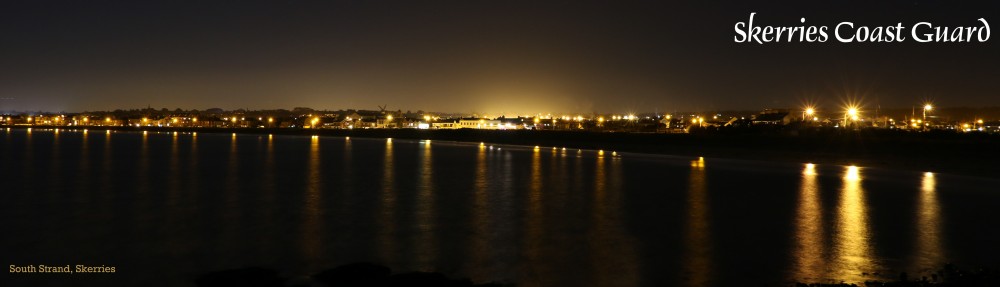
[
  {"x": 374, "y": 275},
  {"x": 934, "y": 151},
  {"x": 350, "y": 275}
]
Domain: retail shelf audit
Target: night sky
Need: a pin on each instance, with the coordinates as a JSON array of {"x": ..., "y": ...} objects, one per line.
[{"x": 479, "y": 56}]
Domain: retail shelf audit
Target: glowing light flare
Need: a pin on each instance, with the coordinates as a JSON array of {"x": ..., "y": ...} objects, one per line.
[
  {"x": 699, "y": 164},
  {"x": 928, "y": 107},
  {"x": 853, "y": 173},
  {"x": 810, "y": 111},
  {"x": 810, "y": 169},
  {"x": 852, "y": 112}
]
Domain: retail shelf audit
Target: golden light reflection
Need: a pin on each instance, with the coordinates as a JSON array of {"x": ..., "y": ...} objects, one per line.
[
  {"x": 697, "y": 255},
  {"x": 534, "y": 219},
  {"x": 929, "y": 253},
  {"x": 232, "y": 196},
  {"x": 425, "y": 213},
  {"x": 612, "y": 250},
  {"x": 193, "y": 172},
  {"x": 174, "y": 185},
  {"x": 84, "y": 172},
  {"x": 807, "y": 256},
  {"x": 386, "y": 218},
  {"x": 852, "y": 254},
  {"x": 480, "y": 220},
  {"x": 312, "y": 222},
  {"x": 142, "y": 178}
]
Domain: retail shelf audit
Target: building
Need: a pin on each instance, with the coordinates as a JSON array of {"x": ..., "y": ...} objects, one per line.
[
  {"x": 446, "y": 124},
  {"x": 772, "y": 117}
]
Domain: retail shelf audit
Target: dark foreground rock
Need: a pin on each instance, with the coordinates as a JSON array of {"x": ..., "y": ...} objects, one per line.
[
  {"x": 246, "y": 277},
  {"x": 949, "y": 276},
  {"x": 350, "y": 275}
]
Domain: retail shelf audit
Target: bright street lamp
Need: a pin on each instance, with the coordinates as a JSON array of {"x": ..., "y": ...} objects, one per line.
[{"x": 927, "y": 108}]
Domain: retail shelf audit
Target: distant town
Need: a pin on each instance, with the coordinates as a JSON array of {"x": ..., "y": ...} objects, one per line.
[{"x": 925, "y": 117}]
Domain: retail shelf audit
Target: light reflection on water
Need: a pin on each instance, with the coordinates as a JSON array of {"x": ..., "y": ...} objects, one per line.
[
  {"x": 532, "y": 216},
  {"x": 425, "y": 215},
  {"x": 312, "y": 219},
  {"x": 698, "y": 251},
  {"x": 386, "y": 219},
  {"x": 613, "y": 250},
  {"x": 534, "y": 224},
  {"x": 808, "y": 255},
  {"x": 929, "y": 251},
  {"x": 852, "y": 246},
  {"x": 479, "y": 219}
]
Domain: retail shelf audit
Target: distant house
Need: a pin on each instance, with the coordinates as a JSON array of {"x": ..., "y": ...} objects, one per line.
[
  {"x": 366, "y": 123},
  {"x": 473, "y": 123},
  {"x": 446, "y": 124},
  {"x": 772, "y": 118}
]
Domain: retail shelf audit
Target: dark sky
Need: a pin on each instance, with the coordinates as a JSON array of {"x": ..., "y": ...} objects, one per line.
[{"x": 479, "y": 56}]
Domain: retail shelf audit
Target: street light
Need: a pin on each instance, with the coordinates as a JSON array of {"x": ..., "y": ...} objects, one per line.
[
  {"x": 927, "y": 108},
  {"x": 852, "y": 113}
]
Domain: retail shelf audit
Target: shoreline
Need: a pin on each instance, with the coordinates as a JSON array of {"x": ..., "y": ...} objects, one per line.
[{"x": 939, "y": 152}]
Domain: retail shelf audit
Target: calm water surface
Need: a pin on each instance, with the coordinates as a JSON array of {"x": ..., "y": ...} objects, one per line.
[{"x": 165, "y": 207}]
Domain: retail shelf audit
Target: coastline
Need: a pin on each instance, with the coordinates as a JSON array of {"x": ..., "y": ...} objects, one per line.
[{"x": 939, "y": 152}]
